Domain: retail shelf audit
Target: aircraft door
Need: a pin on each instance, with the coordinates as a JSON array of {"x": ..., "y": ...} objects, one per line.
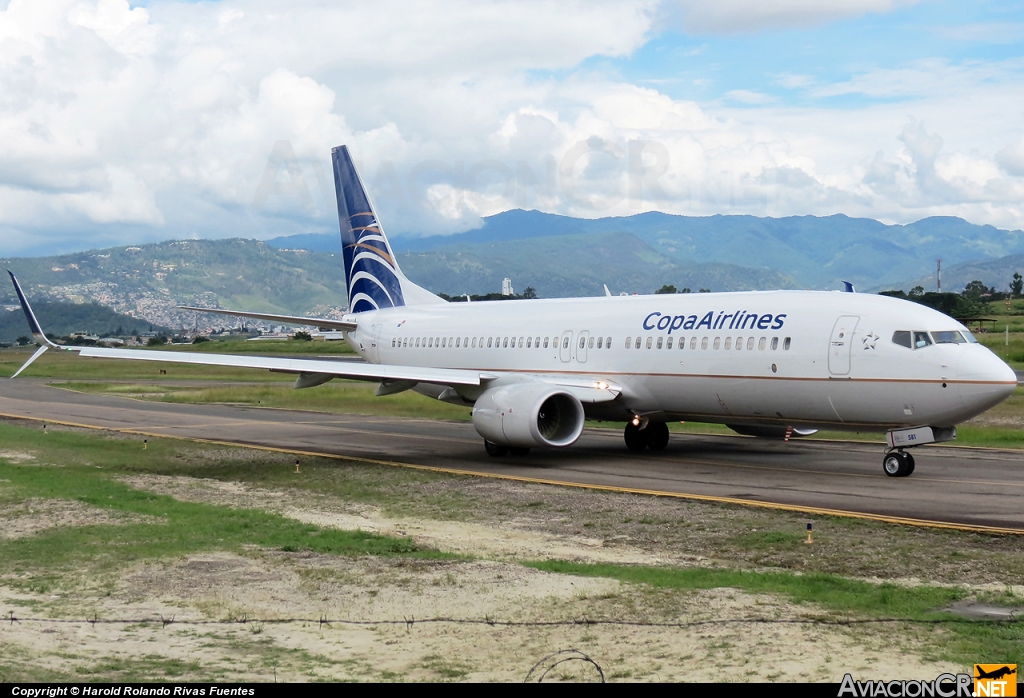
[
  {"x": 373, "y": 354},
  {"x": 581, "y": 347},
  {"x": 841, "y": 345},
  {"x": 565, "y": 348}
]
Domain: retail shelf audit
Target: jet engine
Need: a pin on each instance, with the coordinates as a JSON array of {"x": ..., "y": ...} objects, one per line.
[
  {"x": 769, "y": 432},
  {"x": 528, "y": 414}
]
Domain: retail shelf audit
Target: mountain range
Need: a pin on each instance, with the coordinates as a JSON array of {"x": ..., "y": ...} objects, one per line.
[
  {"x": 810, "y": 251},
  {"x": 556, "y": 255}
]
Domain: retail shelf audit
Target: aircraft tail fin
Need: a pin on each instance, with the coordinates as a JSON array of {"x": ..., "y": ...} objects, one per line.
[{"x": 371, "y": 269}]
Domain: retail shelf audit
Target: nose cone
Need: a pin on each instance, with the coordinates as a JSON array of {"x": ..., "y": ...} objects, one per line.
[{"x": 985, "y": 379}]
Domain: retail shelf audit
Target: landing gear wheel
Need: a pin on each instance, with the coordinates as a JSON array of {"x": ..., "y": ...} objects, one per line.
[
  {"x": 495, "y": 450},
  {"x": 636, "y": 438},
  {"x": 657, "y": 438},
  {"x": 898, "y": 464},
  {"x": 518, "y": 451}
]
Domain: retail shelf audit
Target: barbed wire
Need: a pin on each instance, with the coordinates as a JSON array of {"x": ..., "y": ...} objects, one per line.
[{"x": 410, "y": 621}]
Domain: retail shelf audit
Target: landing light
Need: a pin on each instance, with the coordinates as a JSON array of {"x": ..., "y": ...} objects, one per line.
[
  {"x": 636, "y": 420},
  {"x": 601, "y": 385}
]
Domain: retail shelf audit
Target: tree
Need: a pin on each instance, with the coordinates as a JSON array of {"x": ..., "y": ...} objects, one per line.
[
  {"x": 685, "y": 289},
  {"x": 529, "y": 292},
  {"x": 156, "y": 341},
  {"x": 976, "y": 289},
  {"x": 23, "y": 340},
  {"x": 199, "y": 339},
  {"x": 667, "y": 288},
  {"x": 704, "y": 290},
  {"x": 1017, "y": 285},
  {"x": 916, "y": 292},
  {"x": 303, "y": 336}
]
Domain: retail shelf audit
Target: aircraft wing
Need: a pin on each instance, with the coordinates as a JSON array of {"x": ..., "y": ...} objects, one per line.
[
  {"x": 341, "y": 369},
  {"x": 286, "y": 319}
]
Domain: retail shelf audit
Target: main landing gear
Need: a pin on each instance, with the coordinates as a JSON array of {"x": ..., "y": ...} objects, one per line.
[
  {"x": 898, "y": 464},
  {"x": 653, "y": 436},
  {"x": 497, "y": 450}
]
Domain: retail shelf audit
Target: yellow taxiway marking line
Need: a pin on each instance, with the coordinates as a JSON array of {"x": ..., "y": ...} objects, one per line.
[{"x": 821, "y": 511}]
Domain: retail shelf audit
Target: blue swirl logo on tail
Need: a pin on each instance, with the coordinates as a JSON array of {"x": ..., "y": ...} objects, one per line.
[{"x": 374, "y": 280}]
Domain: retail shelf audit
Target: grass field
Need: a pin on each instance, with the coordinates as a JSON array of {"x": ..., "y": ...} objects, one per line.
[{"x": 66, "y": 565}]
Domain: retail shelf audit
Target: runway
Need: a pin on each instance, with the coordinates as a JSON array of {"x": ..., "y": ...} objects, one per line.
[{"x": 980, "y": 489}]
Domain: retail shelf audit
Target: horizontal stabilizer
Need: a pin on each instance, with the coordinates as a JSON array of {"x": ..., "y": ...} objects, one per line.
[{"x": 286, "y": 319}]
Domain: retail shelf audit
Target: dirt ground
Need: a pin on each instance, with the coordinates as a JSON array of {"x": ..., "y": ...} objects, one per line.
[{"x": 381, "y": 595}]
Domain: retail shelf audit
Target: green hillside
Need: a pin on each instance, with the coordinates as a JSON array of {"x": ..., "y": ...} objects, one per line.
[{"x": 62, "y": 319}]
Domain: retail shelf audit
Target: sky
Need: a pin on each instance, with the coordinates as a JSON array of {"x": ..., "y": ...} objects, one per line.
[{"x": 133, "y": 122}]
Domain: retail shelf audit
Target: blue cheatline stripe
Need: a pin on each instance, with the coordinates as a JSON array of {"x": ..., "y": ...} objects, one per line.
[{"x": 364, "y": 246}]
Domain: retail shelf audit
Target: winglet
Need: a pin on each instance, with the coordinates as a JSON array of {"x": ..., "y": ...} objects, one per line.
[
  {"x": 33, "y": 323},
  {"x": 848, "y": 287},
  {"x": 607, "y": 292}
]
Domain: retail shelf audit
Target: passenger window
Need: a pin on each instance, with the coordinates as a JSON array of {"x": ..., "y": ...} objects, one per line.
[
  {"x": 565, "y": 343},
  {"x": 902, "y": 337},
  {"x": 392, "y": 342},
  {"x": 583, "y": 342},
  {"x": 638, "y": 340},
  {"x": 529, "y": 342},
  {"x": 545, "y": 342},
  {"x": 693, "y": 343},
  {"x": 608, "y": 343},
  {"x": 761, "y": 343},
  {"x": 718, "y": 343},
  {"x": 590, "y": 345},
  {"x": 661, "y": 341},
  {"x": 921, "y": 339},
  {"x": 704, "y": 343},
  {"x": 465, "y": 342},
  {"x": 668, "y": 343},
  {"x": 775, "y": 343},
  {"x": 474, "y": 342},
  {"x": 489, "y": 340},
  {"x": 785, "y": 344},
  {"x": 739, "y": 343},
  {"x": 520, "y": 342},
  {"x": 505, "y": 346},
  {"x": 599, "y": 342},
  {"x": 443, "y": 343},
  {"x": 536, "y": 343},
  {"x": 629, "y": 340},
  {"x": 750, "y": 343},
  {"x": 449, "y": 342},
  {"x": 728, "y": 343},
  {"x": 650, "y": 342}
]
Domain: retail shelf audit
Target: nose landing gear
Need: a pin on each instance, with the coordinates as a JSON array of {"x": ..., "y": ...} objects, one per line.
[{"x": 898, "y": 464}]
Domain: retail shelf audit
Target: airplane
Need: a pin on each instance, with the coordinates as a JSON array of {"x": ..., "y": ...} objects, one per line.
[{"x": 770, "y": 364}]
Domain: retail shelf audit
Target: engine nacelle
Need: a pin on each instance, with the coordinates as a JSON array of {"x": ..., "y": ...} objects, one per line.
[
  {"x": 769, "y": 432},
  {"x": 528, "y": 414}
]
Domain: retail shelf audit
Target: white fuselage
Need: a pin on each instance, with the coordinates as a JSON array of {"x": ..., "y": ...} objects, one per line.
[{"x": 791, "y": 358}]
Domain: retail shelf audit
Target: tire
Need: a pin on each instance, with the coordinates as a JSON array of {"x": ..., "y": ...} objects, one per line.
[
  {"x": 495, "y": 450},
  {"x": 896, "y": 464},
  {"x": 657, "y": 439},
  {"x": 518, "y": 451},
  {"x": 636, "y": 438},
  {"x": 910, "y": 465}
]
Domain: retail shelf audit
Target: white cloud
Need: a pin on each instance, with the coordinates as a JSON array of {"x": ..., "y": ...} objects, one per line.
[
  {"x": 737, "y": 16},
  {"x": 150, "y": 123}
]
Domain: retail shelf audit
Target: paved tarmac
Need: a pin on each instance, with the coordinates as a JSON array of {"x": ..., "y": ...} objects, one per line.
[{"x": 960, "y": 486}]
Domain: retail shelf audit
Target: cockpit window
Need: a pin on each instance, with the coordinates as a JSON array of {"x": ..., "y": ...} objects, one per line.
[
  {"x": 970, "y": 337},
  {"x": 902, "y": 337},
  {"x": 921, "y": 339},
  {"x": 948, "y": 337}
]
